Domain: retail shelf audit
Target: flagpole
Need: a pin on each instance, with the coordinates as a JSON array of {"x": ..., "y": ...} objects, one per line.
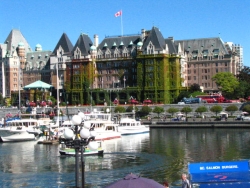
[{"x": 121, "y": 23}]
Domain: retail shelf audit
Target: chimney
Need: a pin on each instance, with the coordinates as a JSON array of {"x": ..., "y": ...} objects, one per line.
[{"x": 96, "y": 42}]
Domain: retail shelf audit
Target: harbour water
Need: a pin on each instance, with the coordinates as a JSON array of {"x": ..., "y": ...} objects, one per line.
[{"x": 163, "y": 154}]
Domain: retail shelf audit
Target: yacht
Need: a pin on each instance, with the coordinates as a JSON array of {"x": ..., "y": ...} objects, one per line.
[
  {"x": 20, "y": 130},
  {"x": 104, "y": 127},
  {"x": 131, "y": 126}
]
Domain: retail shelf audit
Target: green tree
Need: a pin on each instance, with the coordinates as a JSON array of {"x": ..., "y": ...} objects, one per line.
[
  {"x": 186, "y": 110},
  {"x": 226, "y": 81},
  {"x": 201, "y": 109},
  {"x": 231, "y": 109},
  {"x": 145, "y": 110},
  {"x": 172, "y": 110},
  {"x": 216, "y": 109},
  {"x": 194, "y": 87},
  {"x": 158, "y": 110},
  {"x": 119, "y": 109},
  {"x": 246, "y": 108},
  {"x": 131, "y": 108}
]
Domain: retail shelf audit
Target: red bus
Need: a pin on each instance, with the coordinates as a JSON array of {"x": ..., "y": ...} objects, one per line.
[{"x": 212, "y": 98}]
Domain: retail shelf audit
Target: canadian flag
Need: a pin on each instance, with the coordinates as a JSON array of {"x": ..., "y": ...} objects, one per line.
[{"x": 118, "y": 13}]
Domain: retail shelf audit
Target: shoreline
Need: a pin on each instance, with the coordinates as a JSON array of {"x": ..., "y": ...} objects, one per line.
[{"x": 206, "y": 124}]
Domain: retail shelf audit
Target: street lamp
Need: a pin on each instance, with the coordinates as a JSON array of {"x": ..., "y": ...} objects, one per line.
[
  {"x": 87, "y": 134},
  {"x": 124, "y": 80},
  {"x": 90, "y": 98}
]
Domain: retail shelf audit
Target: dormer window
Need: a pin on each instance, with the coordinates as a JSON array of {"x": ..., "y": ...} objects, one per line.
[
  {"x": 216, "y": 53},
  {"x": 205, "y": 54},
  {"x": 195, "y": 54}
]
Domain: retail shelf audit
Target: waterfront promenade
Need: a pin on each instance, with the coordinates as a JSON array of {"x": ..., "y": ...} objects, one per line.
[
  {"x": 199, "y": 124},
  {"x": 74, "y": 109}
]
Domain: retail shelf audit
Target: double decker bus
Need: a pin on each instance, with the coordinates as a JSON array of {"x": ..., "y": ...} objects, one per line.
[{"x": 215, "y": 98}]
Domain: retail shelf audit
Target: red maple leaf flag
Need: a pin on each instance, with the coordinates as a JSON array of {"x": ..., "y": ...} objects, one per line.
[{"x": 119, "y": 13}]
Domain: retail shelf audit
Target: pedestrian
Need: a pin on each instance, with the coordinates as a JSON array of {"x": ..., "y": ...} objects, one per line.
[
  {"x": 165, "y": 184},
  {"x": 185, "y": 181}
]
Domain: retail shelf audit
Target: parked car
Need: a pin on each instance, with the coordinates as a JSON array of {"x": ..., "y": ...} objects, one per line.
[
  {"x": 243, "y": 118},
  {"x": 181, "y": 102},
  {"x": 247, "y": 118}
]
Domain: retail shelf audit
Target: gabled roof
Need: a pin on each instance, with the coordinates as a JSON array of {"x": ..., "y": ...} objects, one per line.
[
  {"x": 171, "y": 46},
  {"x": 155, "y": 36},
  {"x": 14, "y": 38},
  {"x": 65, "y": 43},
  {"x": 38, "y": 84},
  {"x": 202, "y": 44},
  {"x": 83, "y": 43},
  {"x": 119, "y": 42}
]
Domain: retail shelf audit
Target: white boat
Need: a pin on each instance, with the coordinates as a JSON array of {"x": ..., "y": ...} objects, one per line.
[
  {"x": 104, "y": 127},
  {"x": 71, "y": 151},
  {"x": 131, "y": 126},
  {"x": 20, "y": 130}
]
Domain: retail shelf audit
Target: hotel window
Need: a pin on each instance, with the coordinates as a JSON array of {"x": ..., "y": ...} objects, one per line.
[
  {"x": 216, "y": 53},
  {"x": 205, "y": 54},
  {"x": 194, "y": 71},
  {"x": 194, "y": 77}
]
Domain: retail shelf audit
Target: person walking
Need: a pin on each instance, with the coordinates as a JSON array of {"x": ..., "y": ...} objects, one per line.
[
  {"x": 165, "y": 184},
  {"x": 185, "y": 181}
]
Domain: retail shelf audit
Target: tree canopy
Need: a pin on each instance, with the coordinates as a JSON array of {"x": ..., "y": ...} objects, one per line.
[
  {"x": 186, "y": 110},
  {"x": 119, "y": 109},
  {"x": 172, "y": 110},
  {"x": 226, "y": 81},
  {"x": 145, "y": 110},
  {"x": 231, "y": 109},
  {"x": 158, "y": 110},
  {"x": 201, "y": 109},
  {"x": 216, "y": 109}
]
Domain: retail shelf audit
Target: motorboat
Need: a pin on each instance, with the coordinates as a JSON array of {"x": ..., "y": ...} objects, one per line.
[
  {"x": 71, "y": 151},
  {"x": 20, "y": 130},
  {"x": 104, "y": 127},
  {"x": 129, "y": 125}
]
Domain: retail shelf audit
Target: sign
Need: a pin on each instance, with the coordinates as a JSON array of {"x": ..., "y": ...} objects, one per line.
[
  {"x": 234, "y": 166},
  {"x": 215, "y": 172}
]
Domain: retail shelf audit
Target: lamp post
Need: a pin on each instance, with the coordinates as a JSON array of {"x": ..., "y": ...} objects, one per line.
[
  {"x": 124, "y": 80},
  {"x": 19, "y": 92},
  {"x": 87, "y": 134},
  {"x": 90, "y": 98}
]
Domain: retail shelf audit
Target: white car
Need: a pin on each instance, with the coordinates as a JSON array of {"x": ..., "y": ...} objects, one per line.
[
  {"x": 181, "y": 103},
  {"x": 247, "y": 118}
]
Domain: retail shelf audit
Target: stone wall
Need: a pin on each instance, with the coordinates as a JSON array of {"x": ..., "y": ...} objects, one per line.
[{"x": 74, "y": 109}]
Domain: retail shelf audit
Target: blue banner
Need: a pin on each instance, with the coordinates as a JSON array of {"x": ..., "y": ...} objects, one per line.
[
  {"x": 234, "y": 171},
  {"x": 233, "y": 166}
]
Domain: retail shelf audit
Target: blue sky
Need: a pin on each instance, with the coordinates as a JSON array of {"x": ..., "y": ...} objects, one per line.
[{"x": 44, "y": 21}]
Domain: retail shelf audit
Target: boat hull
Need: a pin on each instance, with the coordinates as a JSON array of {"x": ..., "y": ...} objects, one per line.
[
  {"x": 133, "y": 131},
  {"x": 71, "y": 152},
  {"x": 18, "y": 137}
]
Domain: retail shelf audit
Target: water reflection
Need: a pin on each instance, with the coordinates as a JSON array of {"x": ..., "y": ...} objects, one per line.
[{"x": 162, "y": 154}]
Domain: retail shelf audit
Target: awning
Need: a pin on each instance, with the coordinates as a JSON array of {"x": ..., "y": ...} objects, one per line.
[{"x": 38, "y": 85}]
